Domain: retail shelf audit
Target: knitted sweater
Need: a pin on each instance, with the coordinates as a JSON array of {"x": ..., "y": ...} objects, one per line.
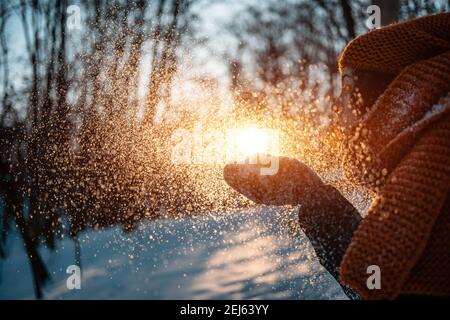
[{"x": 401, "y": 149}]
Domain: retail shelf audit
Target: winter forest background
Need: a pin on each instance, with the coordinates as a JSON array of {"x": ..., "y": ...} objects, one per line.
[{"x": 87, "y": 119}]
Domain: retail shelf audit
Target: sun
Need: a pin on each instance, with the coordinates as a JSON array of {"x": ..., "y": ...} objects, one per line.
[{"x": 251, "y": 141}]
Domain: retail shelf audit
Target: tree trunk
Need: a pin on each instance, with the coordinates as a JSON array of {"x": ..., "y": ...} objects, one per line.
[{"x": 348, "y": 17}]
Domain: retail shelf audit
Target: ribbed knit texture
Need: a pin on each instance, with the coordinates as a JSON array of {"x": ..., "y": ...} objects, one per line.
[
  {"x": 397, "y": 233},
  {"x": 394, "y": 47},
  {"x": 401, "y": 148},
  {"x": 386, "y": 133}
]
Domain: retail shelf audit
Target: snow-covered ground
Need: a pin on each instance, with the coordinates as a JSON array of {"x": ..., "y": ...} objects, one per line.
[{"x": 248, "y": 255}]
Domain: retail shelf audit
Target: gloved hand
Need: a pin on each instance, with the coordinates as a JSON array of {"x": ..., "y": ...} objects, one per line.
[
  {"x": 294, "y": 183},
  {"x": 325, "y": 216}
]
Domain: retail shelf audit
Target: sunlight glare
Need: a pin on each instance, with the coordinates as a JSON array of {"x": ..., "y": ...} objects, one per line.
[{"x": 251, "y": 141}]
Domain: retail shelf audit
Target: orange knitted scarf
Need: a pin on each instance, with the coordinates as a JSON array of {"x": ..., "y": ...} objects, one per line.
[{"x": 401, "y": 148}]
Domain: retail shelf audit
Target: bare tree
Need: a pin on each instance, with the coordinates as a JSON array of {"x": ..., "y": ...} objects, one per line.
[{"x": 83, "y": 150}]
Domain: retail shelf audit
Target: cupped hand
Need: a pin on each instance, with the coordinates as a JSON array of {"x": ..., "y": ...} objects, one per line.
[{"x": 290, "y": 185}]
